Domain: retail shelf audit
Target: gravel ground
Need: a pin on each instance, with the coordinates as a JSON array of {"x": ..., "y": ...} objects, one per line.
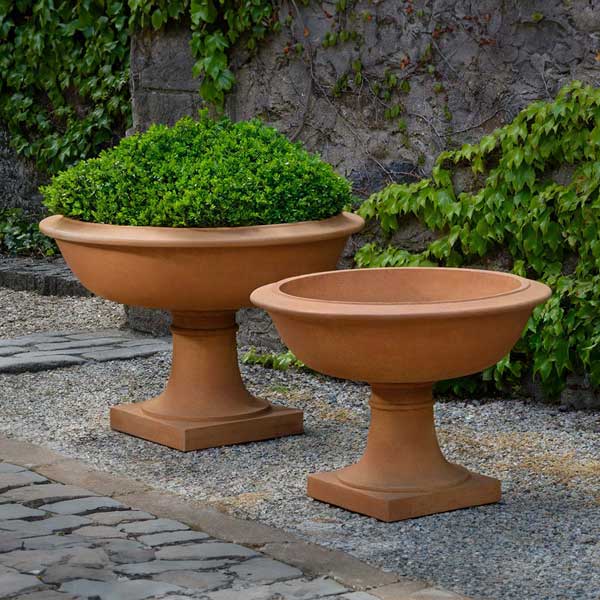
[
  {"x": 25, "y": 312},
  {"x": 541, "y": 542}
]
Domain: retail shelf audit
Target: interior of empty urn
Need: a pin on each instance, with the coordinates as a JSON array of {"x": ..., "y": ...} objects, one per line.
[{"x": 402, "y": 286}]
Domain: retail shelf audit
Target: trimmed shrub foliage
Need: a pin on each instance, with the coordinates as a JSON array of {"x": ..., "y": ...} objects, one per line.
[
  {"x": 540, "y": 200},
  {"x": 202, "y": 173}
]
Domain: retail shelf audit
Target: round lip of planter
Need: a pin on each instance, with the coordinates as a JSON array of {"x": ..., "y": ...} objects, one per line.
[
  {"x": 71, "y": 230},
  {"x": 274, "y": 297}
]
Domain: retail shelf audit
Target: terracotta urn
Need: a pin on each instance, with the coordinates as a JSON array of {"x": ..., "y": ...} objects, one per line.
[
  {"x": 401, "y": 330},
  {"x": 202, "y": 276}
]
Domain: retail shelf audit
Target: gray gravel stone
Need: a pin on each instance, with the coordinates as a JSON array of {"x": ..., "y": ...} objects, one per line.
[
  {"x": 154, "y": 526},
  {"x": 13, "y": 584},
  {"x": 119, "y": 516},
  {"x": 18, "y": 511},
  {"x": 8, "y": 481},
  {"x": 205, "y": 551},
  {"x": 286, "y": 590},
  {"x": 162, "y": 566},
  {"x": 172, "y": 537},
  {"x": 263, "y": 569},
  {"x": 36, "y": 495},
  {"x": 82, "y": 506},
  {"x": 119, "y": 590}
]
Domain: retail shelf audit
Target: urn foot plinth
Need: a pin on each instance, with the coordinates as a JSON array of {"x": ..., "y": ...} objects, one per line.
[
  {"x": 397, "y": 506},
  {"x": 205, "y": 403},
  {"x": 403, "y": 473}
]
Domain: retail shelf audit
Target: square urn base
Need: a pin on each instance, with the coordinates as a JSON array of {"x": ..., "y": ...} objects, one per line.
[
  {"x": 397, "y": 506},
  {"x": 196, "y": 435}
]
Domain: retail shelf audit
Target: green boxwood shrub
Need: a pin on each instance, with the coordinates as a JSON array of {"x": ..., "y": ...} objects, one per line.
[{"x": 205, "y": 173}]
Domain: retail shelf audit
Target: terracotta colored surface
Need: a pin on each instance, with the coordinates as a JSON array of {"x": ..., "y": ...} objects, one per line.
[
  {"x": 401, "y": 330},
  {"x": 202, "y": 276}
]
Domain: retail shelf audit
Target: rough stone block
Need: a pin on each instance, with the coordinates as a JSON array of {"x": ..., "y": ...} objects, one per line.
[
  {"x": 119, "y": 516},
  {"x": 101, "y": 531},
  {"x": 205, "y": 551},
  {"x": 9, "y": 481},
  {"x": 69, "y": 345},
  {"x": 8, "y": 468},
  {"x": 199, "y": 582},
  {"x": 17, "y": 511},
  {"x": 125, "y": 353},
  {"x": 162, "y": 566},
  {"x": 263, "y": 570},
  {"x": 42, "y": 363},
  {"x": 13, "y": 584},
  {"x": 172, "y": 538},
  {"x": 36, "y": 495},
  {"x": 63, "y": 523},
  {"x": 154, "y": 526},
  {"x": 82, "y": 506},
  {"x": 57, "y": 574},
  {"x": 121, "y": 590},
  {"x": 126, "y": 551},
  {"x": 286, "y": 590}
]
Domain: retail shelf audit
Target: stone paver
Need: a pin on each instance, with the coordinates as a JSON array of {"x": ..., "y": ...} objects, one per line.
[
  {"x": 287, "y": 590},
  {"x": 119, "y": 516},
  {"x": 172, "y": 537},
  {"x": 81, "y": 506},
  {"x": 39, "y": 352},
  {"x": 12, "y": 584},
  {"x": 18, "y": 511},
  {"x": 8, "y": 468},
  {"x": 154, "y": 526},
  {"x": 206, "y": 551},
  {"x": 8, "y": 481},
  {"x": 120, "y": 590},
  {"x": 62, "y": 542},
  {"x": 260, "y": 569},
  {"x": 37, "y": 495}
]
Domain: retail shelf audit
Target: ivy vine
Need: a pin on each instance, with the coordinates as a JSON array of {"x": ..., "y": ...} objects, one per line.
[
  {"x": 539, "y": 198},
  {"x": 63, "y": 78},
  {"x": 64, "y": 66}
]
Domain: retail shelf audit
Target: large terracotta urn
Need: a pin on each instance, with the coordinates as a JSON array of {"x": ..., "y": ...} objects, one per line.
[
  {"x": 202, "y": 276},
  {"x": 401, "y": 330}
]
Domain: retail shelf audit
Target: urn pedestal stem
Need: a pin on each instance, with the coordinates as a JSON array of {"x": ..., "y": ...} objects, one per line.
[
  {"x": 205, "y": 402},
  {"x": 403, "y": 472}
]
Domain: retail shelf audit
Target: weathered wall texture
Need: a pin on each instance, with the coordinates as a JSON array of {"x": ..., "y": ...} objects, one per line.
[
  {"x": 18, "y": 180},
  {"x": 470, "y": 66}
]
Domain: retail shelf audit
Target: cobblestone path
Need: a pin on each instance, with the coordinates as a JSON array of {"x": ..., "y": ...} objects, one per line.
[
  {"x": 52, "y": 350},
  {"x": 64, "y": 542}
]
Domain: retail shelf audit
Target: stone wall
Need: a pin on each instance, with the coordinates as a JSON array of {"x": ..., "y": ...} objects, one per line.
[
  {"x": 470, "y": 66},
  {"x": 19, "y": 180}
]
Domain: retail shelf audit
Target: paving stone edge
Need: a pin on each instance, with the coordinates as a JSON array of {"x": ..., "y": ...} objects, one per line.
[{"x": 276, "y": 543}]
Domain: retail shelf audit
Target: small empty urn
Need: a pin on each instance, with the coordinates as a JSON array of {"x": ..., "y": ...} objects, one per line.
[{"x": 401, "y": 330}]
